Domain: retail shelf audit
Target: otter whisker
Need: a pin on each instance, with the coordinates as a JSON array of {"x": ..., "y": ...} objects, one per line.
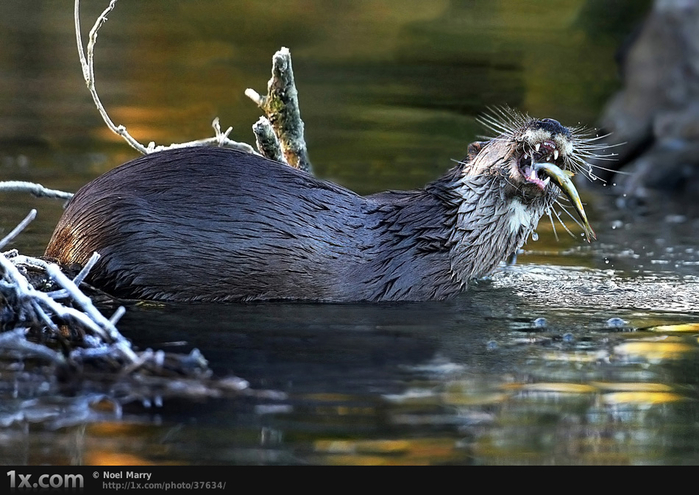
[
  {"x": 586, "y": 140},
  {"x": 511, "y": 116},
  {"x": 583, "y": 158},
  {"x": 563, "y": 208},
  {"x": 493, "y": 124},
  {"x": 553, "y": 225},
  {"x": 503, "y": 120},
  {"x": 611, "y": 170},
  {"x": 561, "y": 221}
]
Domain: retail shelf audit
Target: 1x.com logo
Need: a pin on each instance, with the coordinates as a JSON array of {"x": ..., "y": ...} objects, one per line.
[{"x": 25, "y": 481}]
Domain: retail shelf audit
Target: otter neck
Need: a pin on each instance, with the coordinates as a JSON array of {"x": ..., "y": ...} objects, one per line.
[{"x": 490, "y": 222}]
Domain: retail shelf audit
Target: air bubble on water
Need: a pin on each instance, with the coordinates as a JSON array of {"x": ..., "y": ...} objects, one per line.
[
  {"x": 675, "y": 218},
  {"x": 539, "y": 323},
  {"x": 616, "y": 322},
  {"x": 568, "y": 337}
]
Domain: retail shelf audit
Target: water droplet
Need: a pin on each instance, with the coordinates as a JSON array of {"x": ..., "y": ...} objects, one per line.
[
  {"x": 616, "y": 322},
  {"x": 539, "y": 323},
  {"x": 606, "y": 260},
  {"x": 535, "y": 236}
]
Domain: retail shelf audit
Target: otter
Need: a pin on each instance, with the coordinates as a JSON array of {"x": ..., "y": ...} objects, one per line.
[{"x": 215, "y": 224}]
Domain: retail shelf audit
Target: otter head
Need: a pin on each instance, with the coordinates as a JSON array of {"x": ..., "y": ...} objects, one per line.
[{"x": 531, "y": 162}]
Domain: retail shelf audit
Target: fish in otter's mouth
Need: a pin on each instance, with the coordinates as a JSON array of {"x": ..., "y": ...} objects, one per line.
[{"x": 544, "y": 152}]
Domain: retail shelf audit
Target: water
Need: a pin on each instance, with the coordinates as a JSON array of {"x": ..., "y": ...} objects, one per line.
[{"x": 579, "y": 354}]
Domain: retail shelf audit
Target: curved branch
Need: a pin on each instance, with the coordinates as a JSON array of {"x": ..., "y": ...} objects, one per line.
[{"x": 88, "y": 68}]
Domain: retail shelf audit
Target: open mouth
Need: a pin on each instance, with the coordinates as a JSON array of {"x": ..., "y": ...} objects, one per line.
[
  {"x": 543, "y": 152},
  {"x": 538, "y": 167}
]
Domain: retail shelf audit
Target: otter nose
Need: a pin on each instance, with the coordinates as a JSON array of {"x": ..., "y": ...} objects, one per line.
[{"x": 552, "y": 126}]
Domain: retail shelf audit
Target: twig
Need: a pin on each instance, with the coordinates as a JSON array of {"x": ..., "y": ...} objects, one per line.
[
  {"x": 220, "y": 139},
  {"x": 90, "y": 317},
  {"x": 17, "y": 340},
  {"x": 89, "y": 72},
  {"x": 31, "y": 305},
  {"x": 26, "y": 294},
  {"x": 88, "y": 68},
  {"x": 86, "y": 269},
  {"x": 267, "y": 142},
  {"x": 13, "y": 233},
  {"x": 281, "y": 106},
  {"x": 36, "y": 189}
]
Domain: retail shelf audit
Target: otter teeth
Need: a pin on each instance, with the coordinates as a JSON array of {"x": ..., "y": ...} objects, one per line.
[
  {"x": 531, "y": 176},
  {"x": 555, "y": 154},
  {"x": 537, "y": 146}
]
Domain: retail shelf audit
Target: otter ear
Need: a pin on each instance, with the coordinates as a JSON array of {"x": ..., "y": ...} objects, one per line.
[{"x": 474, "y": 148}]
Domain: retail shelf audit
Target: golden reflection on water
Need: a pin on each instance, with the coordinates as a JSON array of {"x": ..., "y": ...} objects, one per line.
[
  {"x": 103, "y": 445},
  {"x": 641, "y": 398},
  {"x": 682, "y": 327},
  {"x": 388, "y": 452},
  {"x": 655, "y": 351}
]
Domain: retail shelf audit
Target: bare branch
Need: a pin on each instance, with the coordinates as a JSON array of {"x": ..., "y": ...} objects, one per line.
[
  {"x": 88, "y": 67},
  {"x": 281, "y": 107},
  {"x": 16, "y": 339},
  {"x": 27, "y": 220},
  {"x": 220, "y": 140},
  {"x": 36, "y": 189},
  {"x": 267, "y": 142},
  {"x": 89, "y": 72}
]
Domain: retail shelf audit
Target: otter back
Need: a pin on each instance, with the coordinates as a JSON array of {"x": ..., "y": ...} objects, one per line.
[{"x": 212, "y": 224}]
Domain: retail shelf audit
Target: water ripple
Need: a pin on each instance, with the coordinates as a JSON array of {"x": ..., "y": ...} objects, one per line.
[{"x": 577, "y": 287}]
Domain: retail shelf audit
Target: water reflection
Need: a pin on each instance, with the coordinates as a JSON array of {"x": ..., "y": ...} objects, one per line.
[{"x": 473, "y": 380}]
